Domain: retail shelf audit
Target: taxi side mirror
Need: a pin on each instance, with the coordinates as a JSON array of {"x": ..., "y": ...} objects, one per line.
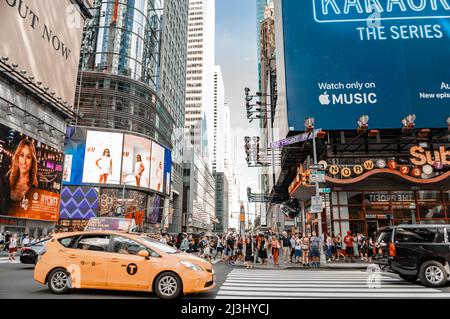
[{"x": 144, "y": 253}]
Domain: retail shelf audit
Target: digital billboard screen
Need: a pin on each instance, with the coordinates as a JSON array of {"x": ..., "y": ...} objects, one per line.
[
  {"x": 382, "y": 58},
  {"x": 103, "y": 158},
  {"x": 167, "y": 170},
  {"x": 136, "y": 161},
  {"x": 157, "y": 168},
  {"x": 31, "y": 175}
]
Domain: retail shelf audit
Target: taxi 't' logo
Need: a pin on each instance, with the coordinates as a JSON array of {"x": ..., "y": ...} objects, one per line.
[{"x": 132, "y": 269}]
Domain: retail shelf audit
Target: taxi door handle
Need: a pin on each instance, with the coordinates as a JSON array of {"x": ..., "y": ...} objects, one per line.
[
  {"x": 72, "y": 256},
  {"x": 115, "y": 260}
]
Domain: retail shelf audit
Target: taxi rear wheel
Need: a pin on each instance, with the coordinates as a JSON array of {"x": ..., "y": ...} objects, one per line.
[
  {"x": 59, "y": 281},
  {"x": 168, "y": 286}
]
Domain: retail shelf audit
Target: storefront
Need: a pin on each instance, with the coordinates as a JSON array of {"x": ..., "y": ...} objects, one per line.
[{"x": 393, "y": 182}]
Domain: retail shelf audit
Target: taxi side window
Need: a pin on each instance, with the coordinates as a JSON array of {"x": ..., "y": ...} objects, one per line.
[
  {"x": 66, "y": 242},
  {"x": 127, "y": 246},
  {"x": 93, "y": 242}
]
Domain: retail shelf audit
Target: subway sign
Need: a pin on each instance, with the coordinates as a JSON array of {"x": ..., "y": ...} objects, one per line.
[{"x": 382, "y": 58}]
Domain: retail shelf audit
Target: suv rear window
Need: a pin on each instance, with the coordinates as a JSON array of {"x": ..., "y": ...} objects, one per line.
[
  {"x": 419, "y": 235},
  {"x": 384, "y": 237}
]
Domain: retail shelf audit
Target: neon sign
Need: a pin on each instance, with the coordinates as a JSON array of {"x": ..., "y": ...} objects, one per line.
[{"x": 362, "y": 10}]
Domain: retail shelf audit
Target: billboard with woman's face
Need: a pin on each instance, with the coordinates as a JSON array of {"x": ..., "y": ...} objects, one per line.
[
  {"x": 136, "y": 161},
  {"x": 30, "y": 177},
  {"x": 157, "y": 168},
  {"x": 103, "y": 158}
]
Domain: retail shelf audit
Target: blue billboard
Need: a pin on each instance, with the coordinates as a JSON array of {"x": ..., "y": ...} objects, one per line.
[{"x": 382, "y": 58}]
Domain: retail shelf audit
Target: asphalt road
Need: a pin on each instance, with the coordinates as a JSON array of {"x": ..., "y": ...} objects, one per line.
[{"x": 16, "y": 282}]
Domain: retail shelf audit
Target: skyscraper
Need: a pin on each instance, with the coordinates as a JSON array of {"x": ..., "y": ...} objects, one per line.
[
  {"x": 199, "y": 74},
  {"x": 173, "y": 91},
  {"x": 260, "y": 8}
]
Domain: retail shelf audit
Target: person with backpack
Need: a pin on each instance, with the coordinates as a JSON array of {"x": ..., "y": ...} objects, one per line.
[
  {"x": 349, "y": 241},
  {"x": 315, "y": 250}
]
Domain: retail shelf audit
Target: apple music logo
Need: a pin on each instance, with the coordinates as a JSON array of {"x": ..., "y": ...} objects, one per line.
[{"x": 348, "y": 98}]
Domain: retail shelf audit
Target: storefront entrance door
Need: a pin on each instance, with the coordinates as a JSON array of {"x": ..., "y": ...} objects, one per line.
[{"x": 372, "y": 228}]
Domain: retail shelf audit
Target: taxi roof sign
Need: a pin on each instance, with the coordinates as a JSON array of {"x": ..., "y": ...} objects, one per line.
[{"x": 111, "y": 223}]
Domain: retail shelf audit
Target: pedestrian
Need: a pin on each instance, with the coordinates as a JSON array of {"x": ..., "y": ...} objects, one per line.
[
  {"x": 184, "y": 246},
  {"x": 262, "y": 250},
  {"x": 249, "y": 253},
  {"x": 2, "y": 239},
  {"x": 293, "y": 240},
  {"x": 230, "y": 250},
  {"x": 359, "y": 244},
  {"x": 298, "y": 250},
  {"x": 286, "y": 248},
  {"x": 355, "y": 245},
  {"x": 305, "y": 250},
  {"x": 275, "y": 249},
  {"x": 338, "y": 246},
  {"x": 26, "y": 241},
  {"x": 207, "y": 251},
  {"x": 363, "y": 252},
  {"x": 349, "y": 251},
  {"x": 370, "y": 247},
  {"x": 256, "y": 241},
  {"x": 315, "y": 250},
  {"x": 219, "y": 248},
  {"x": 329, "y": 245},
  {"x": 13, "y": 243},
  {"x": 7, "y": 238}
]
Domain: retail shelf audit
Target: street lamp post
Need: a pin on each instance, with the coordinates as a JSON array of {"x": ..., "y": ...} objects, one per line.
[{"x": 309, "y": 125}]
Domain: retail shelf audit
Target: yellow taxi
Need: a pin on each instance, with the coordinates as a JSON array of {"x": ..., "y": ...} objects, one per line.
[{"x": 120, "y": 261}]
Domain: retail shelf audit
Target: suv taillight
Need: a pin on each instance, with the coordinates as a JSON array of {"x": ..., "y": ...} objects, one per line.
[{"x": 392, "y": 251}]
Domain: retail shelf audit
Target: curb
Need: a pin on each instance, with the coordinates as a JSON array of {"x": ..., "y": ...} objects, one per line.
[{"x": 334, "y": 267}]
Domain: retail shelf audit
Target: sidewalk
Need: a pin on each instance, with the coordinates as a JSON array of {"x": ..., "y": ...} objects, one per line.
[{"x": 358, "y": 264}]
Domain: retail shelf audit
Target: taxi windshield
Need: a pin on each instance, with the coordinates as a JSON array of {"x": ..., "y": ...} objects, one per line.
[{"x": 160, "y": 246}]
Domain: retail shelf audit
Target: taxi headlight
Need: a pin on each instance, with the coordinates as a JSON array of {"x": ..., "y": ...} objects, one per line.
[{"x": 191, "y": 266}]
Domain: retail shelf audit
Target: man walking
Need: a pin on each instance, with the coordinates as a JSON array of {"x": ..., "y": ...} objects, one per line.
[
  {"x": 315, "y": 250},
  {"x": 7, "y": 237},
  {"x": 285, "y": 244}
]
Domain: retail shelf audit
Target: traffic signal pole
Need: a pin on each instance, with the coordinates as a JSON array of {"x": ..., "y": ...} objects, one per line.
[{"x": 323, "y": 259}]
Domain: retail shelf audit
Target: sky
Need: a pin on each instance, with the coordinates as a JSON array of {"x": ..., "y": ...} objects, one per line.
[{"x": 236, "y": 53}]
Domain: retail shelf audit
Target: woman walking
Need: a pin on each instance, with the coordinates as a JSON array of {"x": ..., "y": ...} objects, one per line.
[
  {"x": 249, "y": 253},
  {"x": 338, "y": 246},
  {"x": 262, "y": 250},
  {"x": 275, "y": 248},
  {"x": 370, "y": 247},
  {"x": 305, "y": 250}
]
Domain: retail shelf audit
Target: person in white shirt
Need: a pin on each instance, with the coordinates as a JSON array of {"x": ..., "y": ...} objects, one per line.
[
  {"x": 13, "y": 242},
  {"x": 26, "y": 241},
  {"x": 163, "y": 240}
]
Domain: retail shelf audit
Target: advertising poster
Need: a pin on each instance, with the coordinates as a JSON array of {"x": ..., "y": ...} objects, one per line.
[
  {"x": 136, "y": 161},
  {"x": 157, "y": 168},
  {"x": 78, "y": 202},
  {"x": 30, "y": 177},
  {"x": 155, "y": 209},
  {"x": 75, "y": 150},
  {"x": 382, "y": 58},
  {"x": 167, "y": 170},
  {"x": 103, "y": 158}
]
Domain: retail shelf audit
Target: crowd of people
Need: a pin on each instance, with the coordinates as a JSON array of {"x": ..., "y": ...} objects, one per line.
[
  {"x": 11, "y": 243},
  {"x": 280, "y": 248}
]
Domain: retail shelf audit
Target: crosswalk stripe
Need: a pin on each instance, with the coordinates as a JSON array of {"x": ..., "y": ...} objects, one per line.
[{"x": 246, "y": 283}]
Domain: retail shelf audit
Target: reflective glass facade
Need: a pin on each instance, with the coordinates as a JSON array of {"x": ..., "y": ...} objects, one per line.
[{"x": 124, "y": 39}]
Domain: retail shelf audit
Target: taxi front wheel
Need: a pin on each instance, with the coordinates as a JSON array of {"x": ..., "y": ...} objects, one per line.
[
  {"x": 168, "y": 286},
  {"x": 58, "y": 281}
]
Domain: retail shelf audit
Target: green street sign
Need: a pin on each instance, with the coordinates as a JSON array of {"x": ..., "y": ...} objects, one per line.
[{"x": 325, "y": 190}]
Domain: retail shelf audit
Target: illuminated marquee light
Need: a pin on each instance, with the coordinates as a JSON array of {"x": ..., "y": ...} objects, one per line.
[{"x": 361, "y": 10}]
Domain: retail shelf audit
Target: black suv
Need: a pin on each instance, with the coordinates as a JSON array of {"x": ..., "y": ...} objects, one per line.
[{"x": 415, "y": 252}]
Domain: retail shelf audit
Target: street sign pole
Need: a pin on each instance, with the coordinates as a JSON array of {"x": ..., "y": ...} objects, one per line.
[{"x": 323, "y": 260}]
